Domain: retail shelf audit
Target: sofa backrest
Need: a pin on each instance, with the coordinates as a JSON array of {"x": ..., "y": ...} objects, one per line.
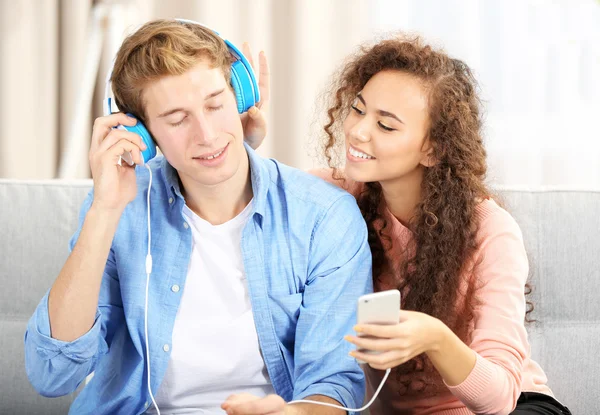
[{"x": 561, "y": 230}]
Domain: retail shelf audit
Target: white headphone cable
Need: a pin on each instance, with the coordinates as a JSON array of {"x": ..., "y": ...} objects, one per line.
[
  {"x": 387, "y": 373},
  {"x": 148, "y": 272}
]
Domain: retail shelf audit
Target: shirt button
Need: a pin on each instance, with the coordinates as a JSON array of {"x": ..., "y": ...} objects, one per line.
[
  {"x": 170, "y": 200},
  {"x": 185, "y": 225},
  {"x": 166, "y": 348},
  {"x": 175, "y": 288}
]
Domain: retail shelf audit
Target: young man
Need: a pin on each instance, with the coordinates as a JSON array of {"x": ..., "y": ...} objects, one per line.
[{"x": 256, "y": 266}]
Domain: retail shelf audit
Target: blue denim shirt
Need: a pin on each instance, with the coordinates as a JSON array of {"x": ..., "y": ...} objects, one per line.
[{"x": 307, "y": 261}]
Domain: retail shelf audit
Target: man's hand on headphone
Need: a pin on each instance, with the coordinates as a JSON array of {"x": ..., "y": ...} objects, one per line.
[
  {"x": 114, "y": 185},
  {"x": 254, "y": 121}
]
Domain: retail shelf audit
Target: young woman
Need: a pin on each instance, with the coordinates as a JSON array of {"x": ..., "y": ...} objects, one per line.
[{"x": 406, "y": 119}]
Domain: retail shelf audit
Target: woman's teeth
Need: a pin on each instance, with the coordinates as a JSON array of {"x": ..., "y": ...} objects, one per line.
[{"x": 360, "y": 154}]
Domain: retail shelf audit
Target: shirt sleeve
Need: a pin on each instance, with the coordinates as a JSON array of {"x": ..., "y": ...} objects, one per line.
[
  {"x": 339, "y": 272},
  {"x": 56, "y": 368},
  {"x": 499, "y": 338}
]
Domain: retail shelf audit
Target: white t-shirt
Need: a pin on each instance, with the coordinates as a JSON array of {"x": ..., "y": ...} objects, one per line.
[{"x": 215, "y": 350}]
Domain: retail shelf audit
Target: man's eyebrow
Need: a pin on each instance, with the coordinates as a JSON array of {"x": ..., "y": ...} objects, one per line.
[
  {"x": 169, "y": 112},
  {"x": 214, "y": 94}
]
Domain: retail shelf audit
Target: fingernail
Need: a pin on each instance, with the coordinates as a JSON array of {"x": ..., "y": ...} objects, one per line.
[
  {"x": 253, "y": 111},
  {"x": 347, "y": 338},
  {"x": 351, "y": 354},
  {"x": 357, "y": 328}
]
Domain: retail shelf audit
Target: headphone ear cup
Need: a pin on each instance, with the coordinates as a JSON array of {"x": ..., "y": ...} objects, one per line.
[
  {"x": 244, "y": 87},
  {"x": 144, "y": 134},
  {"x": 238, "y": 90}
]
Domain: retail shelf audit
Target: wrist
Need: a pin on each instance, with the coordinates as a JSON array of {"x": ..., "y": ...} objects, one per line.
[
  {"x": 108, "y": 216},
  {"x": 440, "y": 334},
  {"x": 291, "y": 410}
]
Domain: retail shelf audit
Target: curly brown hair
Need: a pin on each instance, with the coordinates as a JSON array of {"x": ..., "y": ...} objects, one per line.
[{"x": 444, "y": 225}]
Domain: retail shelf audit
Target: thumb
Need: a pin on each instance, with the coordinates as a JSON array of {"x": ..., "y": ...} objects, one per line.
[
  {"x": 406, "y": 314},
  {"x": 253, "y": 112}
]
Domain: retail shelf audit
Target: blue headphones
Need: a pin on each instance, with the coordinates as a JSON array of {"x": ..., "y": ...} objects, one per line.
[{"x": 243, "y": 82}]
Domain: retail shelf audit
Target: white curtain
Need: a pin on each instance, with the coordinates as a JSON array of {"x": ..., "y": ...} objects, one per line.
[
  {"x": 56, "y": 54},
  {"x": 28, "y": 88},
  {"x": 538, "y": 63}
]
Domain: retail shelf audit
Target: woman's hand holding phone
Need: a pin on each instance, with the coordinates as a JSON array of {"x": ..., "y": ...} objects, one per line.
[{"x": 414, "y": 333}]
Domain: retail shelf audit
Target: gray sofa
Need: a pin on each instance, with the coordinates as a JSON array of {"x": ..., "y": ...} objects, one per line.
[{"x": 562, "y": 234}]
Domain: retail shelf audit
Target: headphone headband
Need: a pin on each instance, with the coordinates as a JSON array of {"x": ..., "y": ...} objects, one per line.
[{"x": 246, "y": 88}]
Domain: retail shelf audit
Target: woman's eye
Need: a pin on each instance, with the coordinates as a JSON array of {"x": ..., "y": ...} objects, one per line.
[
  {"x": 358, "y": 111},
  {"x": 385, "y": 127},
  {"x": 215, "y": 108}
]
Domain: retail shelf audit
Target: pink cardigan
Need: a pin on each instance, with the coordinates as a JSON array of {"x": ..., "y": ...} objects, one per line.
[{"x": 497, "y": 334}]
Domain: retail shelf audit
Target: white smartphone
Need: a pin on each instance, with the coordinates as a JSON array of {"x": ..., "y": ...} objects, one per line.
[{"x": 378, "y": 308}]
